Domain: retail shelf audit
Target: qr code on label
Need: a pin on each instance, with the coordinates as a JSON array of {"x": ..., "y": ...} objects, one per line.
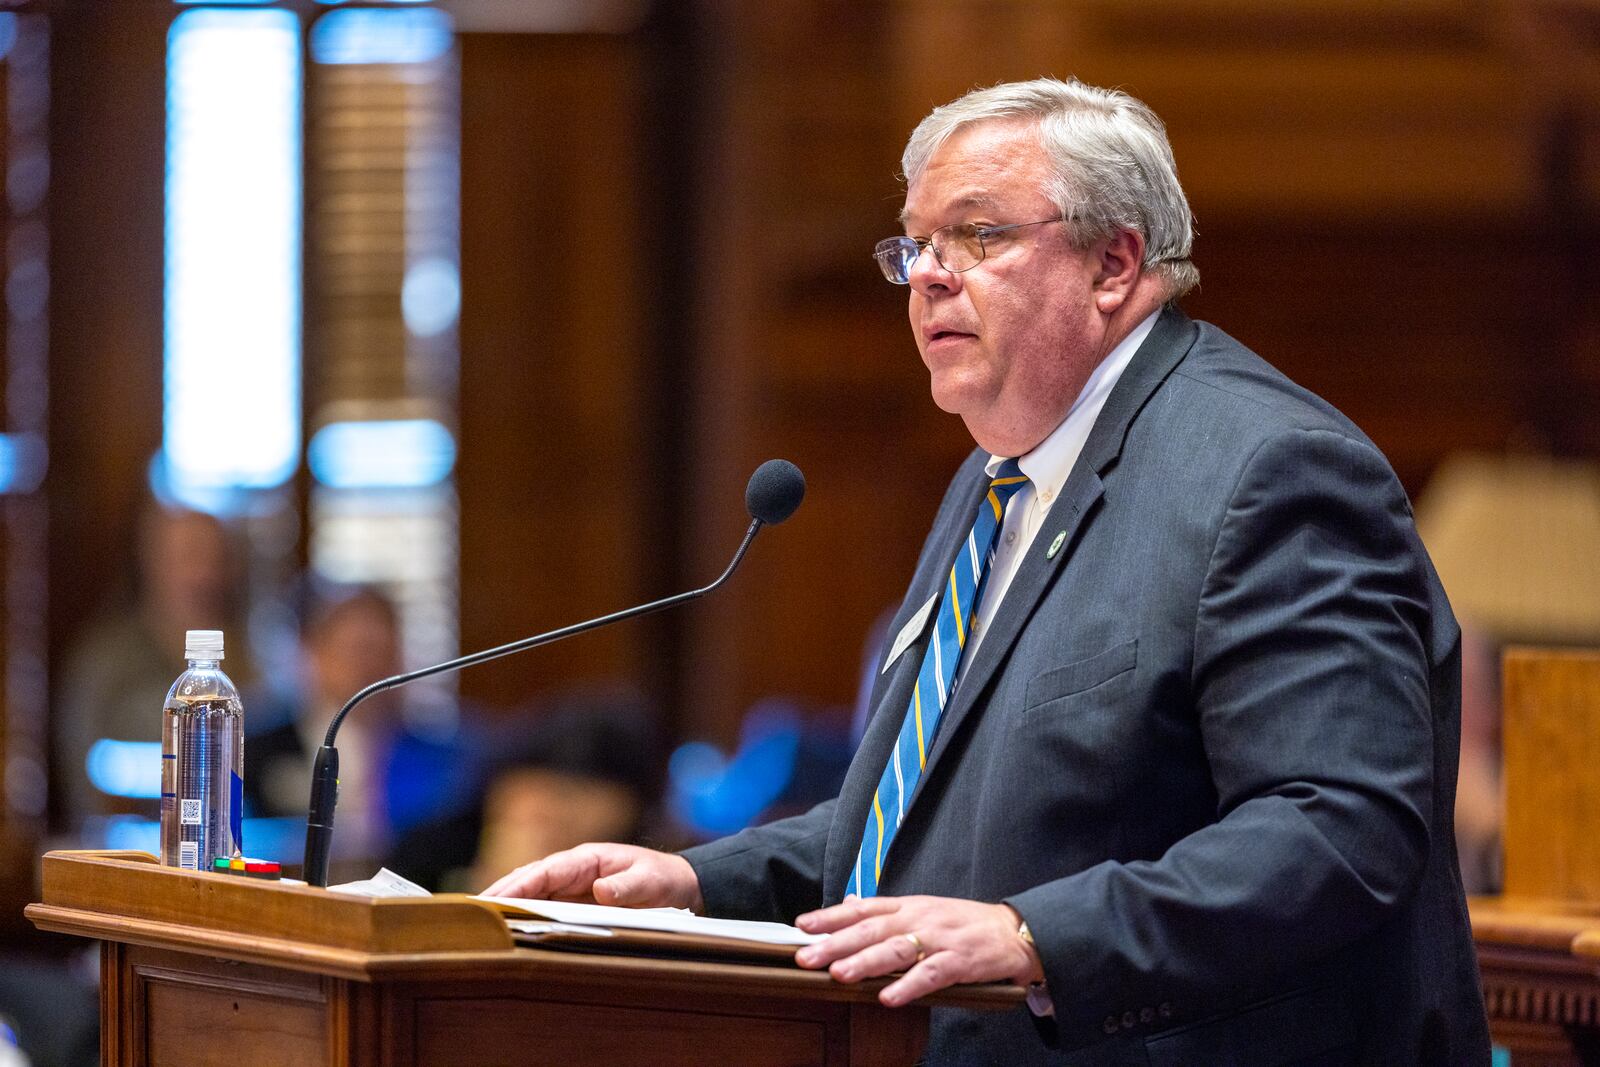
[
  {"x": 190, "y": 812},
  {"x": 189, "y": 852}
]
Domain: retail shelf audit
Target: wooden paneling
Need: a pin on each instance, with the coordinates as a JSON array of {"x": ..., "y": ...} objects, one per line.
[
  {"x": 1411, "y": 333},
  {"x": 203, "y": 1019},
  {"x": 108, "y": 108},
  {"x": 554, "y": 455},
  {"x": 454, "y": 1031},
  {"x": 1552, "y": 747},
  {"x": 1537, "y": 962}
]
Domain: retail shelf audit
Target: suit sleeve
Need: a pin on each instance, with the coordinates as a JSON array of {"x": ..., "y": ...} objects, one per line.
[
  {"x": 771, "y": 872},
  {"x": 1310, "y": 688}
]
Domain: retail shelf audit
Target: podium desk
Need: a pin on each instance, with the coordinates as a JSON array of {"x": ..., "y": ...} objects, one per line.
[
  {"x": 210, "y": 969},
  {"x": 1539, "y": 943},
  {"x": 1540, "y": 965}
]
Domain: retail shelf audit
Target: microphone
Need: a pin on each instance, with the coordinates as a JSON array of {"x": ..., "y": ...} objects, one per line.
[{"x": 774, "y": 491}]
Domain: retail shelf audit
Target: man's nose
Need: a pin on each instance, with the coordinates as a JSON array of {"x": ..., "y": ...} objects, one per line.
[{"x": 928, "y": 274}]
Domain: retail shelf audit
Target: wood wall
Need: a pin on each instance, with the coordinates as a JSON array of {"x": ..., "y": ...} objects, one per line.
[{"x": 555, "y": 466}]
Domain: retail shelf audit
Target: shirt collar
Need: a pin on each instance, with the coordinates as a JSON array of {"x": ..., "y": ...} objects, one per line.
[{"x": 1051, "y": 460}]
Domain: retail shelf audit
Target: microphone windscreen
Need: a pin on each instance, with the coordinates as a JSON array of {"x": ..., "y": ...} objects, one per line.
[{"x": 775, "y": 490}]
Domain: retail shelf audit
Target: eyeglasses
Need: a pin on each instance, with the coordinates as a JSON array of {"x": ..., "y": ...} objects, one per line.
[{"x": 958, "y": 247}]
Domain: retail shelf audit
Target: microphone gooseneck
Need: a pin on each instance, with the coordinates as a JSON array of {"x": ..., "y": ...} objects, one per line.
[{"x": 774, "y": 491}]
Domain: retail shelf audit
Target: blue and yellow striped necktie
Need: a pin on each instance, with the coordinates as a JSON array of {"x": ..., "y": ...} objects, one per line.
[{"x": 935, "y": 682}]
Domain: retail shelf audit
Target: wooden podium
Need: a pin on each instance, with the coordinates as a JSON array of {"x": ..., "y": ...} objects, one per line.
[
  {"x": 208, "y": 969},
  {"x": 1539, "y": 943}
]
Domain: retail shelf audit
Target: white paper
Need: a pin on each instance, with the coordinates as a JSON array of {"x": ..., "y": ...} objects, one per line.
[
  {"x": 383, "y": 884},
  {"x": 670, "y": 920},
  {"x": 539, "y": 926}
]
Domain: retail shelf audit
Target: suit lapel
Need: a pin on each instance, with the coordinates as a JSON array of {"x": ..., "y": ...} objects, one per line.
[
  {"x": 892, "y": 696},
  {"x": 1171, "y": 337}
]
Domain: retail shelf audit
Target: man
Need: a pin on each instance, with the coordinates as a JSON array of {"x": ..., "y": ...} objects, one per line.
[{"x": 1190, "y": 775}]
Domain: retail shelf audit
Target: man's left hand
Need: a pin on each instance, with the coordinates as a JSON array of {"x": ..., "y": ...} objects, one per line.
[{"x": 937, "y": 941}]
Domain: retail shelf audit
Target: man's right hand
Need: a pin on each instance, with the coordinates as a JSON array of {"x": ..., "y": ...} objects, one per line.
[{"x": 624, "y": 876}]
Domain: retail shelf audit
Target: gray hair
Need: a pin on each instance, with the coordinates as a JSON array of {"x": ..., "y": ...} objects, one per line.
[{"x": 1113, "y": 166}]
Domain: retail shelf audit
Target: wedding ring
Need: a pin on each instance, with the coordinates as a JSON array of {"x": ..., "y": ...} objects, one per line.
[{"x": 916, "y": 943}]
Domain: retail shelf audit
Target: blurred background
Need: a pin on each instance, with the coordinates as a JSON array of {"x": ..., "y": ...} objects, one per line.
[{"x": 374, "y": 333}]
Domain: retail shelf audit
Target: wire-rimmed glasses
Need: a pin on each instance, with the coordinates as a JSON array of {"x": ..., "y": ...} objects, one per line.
[{"x": 958, "y": 247}]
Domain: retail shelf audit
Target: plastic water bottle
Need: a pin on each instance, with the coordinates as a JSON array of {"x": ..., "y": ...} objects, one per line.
[{"x": 202, "y": 760}]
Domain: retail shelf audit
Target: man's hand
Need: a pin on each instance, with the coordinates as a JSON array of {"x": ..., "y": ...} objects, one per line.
[
  {"x": 937, "y": 941},
  {"x": 623, "y": 876}
]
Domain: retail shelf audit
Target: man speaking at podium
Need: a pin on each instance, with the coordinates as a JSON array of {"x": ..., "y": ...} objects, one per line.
[{"x": 1167, "y": 729}]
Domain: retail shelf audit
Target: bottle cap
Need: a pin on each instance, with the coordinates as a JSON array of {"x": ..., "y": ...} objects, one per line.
[{"x": 202, "y": 644}]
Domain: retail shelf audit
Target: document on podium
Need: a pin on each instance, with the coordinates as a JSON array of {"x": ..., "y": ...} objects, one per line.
[
  {"x": 655, "y": 920},
  {"x": 599, "y": 927}
]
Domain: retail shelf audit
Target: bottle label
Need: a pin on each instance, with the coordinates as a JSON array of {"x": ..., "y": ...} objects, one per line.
[
  {"x": 190, "y": 812},
  {"x": 189, "y": 853}
]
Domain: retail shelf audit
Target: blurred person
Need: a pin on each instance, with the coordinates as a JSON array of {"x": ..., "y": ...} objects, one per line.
[
  {"x": 579, "y": 766},
  {"x": 115, "y": 676},
  {"x": 392, "y": 776},
  {"x": 1167, "y": 730},
  {"x": 1480, "y": 790},
  {"x": 350, "y": 638}
]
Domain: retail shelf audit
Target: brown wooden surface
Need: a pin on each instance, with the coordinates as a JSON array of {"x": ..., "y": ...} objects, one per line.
[
  {"x": 1539, "y": 944},
  {"x": 201, "y": 968},
  {"x": 139, "y": 895},
  {"x": 1540, "y": 966},
  {"x": 1552, "y": 775},
  {"x": 555, "y": 472}
]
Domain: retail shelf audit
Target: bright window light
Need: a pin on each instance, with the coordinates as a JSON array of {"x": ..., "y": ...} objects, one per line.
[
  {"x": 22, "y": 462},
  {"x": 125, "y": 768},
  {"x": 372, "y": 35},
  {"x": 131, "y": 832},
  {"x": 392, "y": 454},
  {"x": 233, "y": 252},
  {"x": 430, "y": 297}
]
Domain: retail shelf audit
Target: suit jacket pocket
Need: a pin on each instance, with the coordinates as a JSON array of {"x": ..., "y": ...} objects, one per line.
[
  {"x": 1310, "y": 1026},
  {"x": 1082, "y": 675}
]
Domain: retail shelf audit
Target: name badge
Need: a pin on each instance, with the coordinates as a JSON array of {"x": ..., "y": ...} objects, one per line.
[{"x": 910, "y": 631}]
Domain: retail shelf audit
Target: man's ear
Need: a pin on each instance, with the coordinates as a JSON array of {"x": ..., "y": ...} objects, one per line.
[{"x": 1120, "y": 260}]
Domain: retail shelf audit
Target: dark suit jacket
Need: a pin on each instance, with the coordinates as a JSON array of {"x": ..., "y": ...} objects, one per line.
[{"x": 1208, "y": 750}]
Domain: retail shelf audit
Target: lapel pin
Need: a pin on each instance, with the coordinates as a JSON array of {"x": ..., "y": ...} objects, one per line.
[{"x": 1055, "y": 546}]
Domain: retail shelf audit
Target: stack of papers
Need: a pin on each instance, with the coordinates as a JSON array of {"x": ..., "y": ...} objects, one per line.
[
  {"x": 660, "y": 920},
  {"x": 562, "y": 916}
]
